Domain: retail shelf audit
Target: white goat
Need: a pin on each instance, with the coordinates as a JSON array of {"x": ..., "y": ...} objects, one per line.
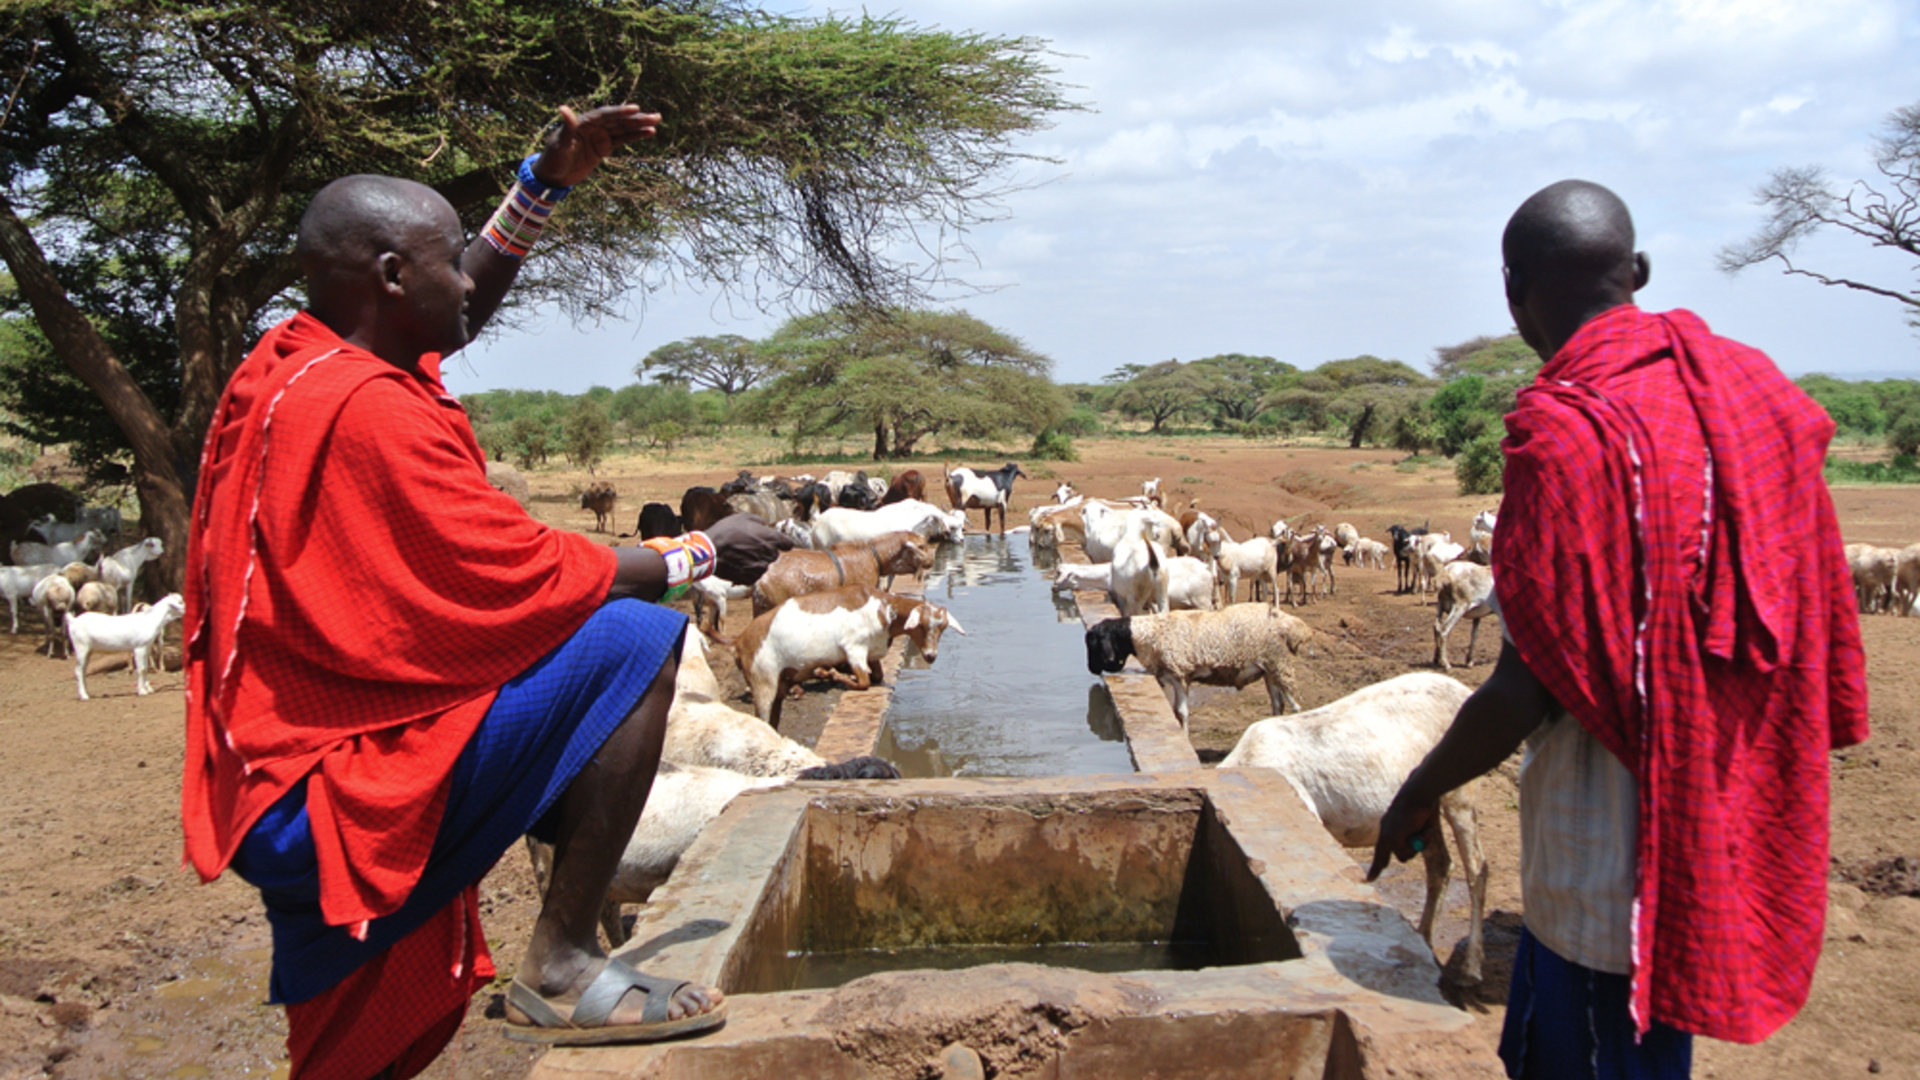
[
  {"x": 1466, "y": 592},
  {"x": 122, "y": 568},
  {"x": 1906, "y": 579},
  {"x": 1255, "y": 558},
  {"x": 26, "y": 553},
  {"x": 1874, "y": 569},
  {"x": 97, "y": 596},
  {"x": 1348, "y": 759},
  {"x": 1480, "y": 537},
  {"x": 1424, "y": 567},
  {"x": 1236, "y": 647},
  {"x": 1369, "y": 553},
  {"x": 1079, "y": 577},
  {"x": 16, "y": 584},
  {"x": 135, "y": 632},
  {"x": 839, "y": 525},
  {"x": 1190, "y": 584},
  {"x": 710, "y": 596},
  {"x": 1106, "y": 526},
  {"x": 54, "y": 596},
  {"x": 1151, "y": 489},
  {"x": 1139, "y": 574}
]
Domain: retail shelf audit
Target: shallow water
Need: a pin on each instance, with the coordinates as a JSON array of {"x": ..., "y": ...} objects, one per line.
[
  {"x": 813, "y": 971},
  {"x": 1013, "y": 697}
]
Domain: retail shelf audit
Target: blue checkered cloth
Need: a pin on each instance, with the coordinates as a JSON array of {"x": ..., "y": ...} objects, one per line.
[
  {"x": 1567, "y": 1022},
  {"x": 546, "y": 724}
]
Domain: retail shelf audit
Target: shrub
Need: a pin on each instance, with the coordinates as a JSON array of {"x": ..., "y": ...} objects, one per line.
[
  {"x": 1478, "y": 466},
  {"x": 1052, "y": 444},
  {"x": 1903, "y": 469}
]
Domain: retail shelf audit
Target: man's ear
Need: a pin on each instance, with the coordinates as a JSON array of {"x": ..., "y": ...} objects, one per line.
[
  {"x": 391, "y": 263},
  {"x": 1642, "y": 270},
  {"x": 1515, "y": 284}
]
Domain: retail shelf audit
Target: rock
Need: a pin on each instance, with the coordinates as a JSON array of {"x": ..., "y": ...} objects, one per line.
[
  {"x": 1842, "y": 923},
  {"x": 1842, "y": 895},
  {"x": 959, "y": 1062},
  {"x": 505, "y": 477}
]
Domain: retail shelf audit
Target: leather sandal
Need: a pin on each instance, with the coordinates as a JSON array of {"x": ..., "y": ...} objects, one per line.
[{"x": 587, "y": 1025}]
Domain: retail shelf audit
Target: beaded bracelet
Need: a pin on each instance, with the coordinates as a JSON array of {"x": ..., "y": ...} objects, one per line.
[
  {"x": 689, "y": 558},
  {"x": 523, "y": 214}
]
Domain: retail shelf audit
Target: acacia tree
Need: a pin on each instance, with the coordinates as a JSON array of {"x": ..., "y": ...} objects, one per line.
[
  {"x": 1885, "y": 214},
  {"x": 906, "y": 375},
  {"x": 1233, "y": 384},
  {"x": 795, "y": 154},
  {"x": 1160, "y": 392},
  {"x": 728, "y": 363}
]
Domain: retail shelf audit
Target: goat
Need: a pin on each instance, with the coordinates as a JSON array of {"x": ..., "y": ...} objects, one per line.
[
  {"x": 1480, "y": 538},
  {"x": 1302, "y": 558},
  {"x": 700, "y": 507},
  {"x": 1405, "y": 572},
  {"x": 97, "y": 596},
  {"x": 1466, "y": 592},
  {"x": 122, "y": 568},
  {"x": 1103, "y": 527},
  {"x": 1078, "y": 577},
  {"x": 1235, "y": 646},
  {"x": 1344, "y": 537},
  {"x": 769, "y": 508},
  {"x": 657, "y": 519},
  {"x": 851, "y": 625},
  {"x": 838, "y": 525},
  {"x": 16, "y": 584},
  {"x": 968, "y": 490},
  {"x": 1151, "y": 489},
  {"x": 54, "y": 596},
  {"x": 1874, "y": 570},
  {"x": 1139, "y": 576},
  {"x": 600, "y": 498},
  {"x": 1063, "y": 493},
  {"x": 27, "y": 553},
  {"x": 135, "y": 632},
  {"x": 1253, "y": 557},
  {"x": 860, "y": 562},
  {"x": 857, "y": 495},
  {"x": 1190, "y": 584},
  {"x": 1347, "y": 760},
  {"x": 1426, "y": 564},
  {"x": 1370, "y": 554},
  {"x": 710, "y": 596},
  {"x": 1906, "y": 579},
  {"x": 908, "y": 485}
]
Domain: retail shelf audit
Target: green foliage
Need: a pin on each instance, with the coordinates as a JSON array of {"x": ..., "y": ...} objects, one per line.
[
  {"x": 663, "y": 434},
  {"x": 1052, "y": 444},
  {"x": 530, "y": 439},
  {"x": 1479, "y": 465},
  {"x": 1854, "y": 406},
  {"x": 587, "y": 432},
  {"x": 901, "y": 376},
  {"x": 1160, "y": 392},
  {"x": 1233, "y": 384},
  {"x": 1904, "y": 468},
  {"x": 1080, "y": 421},
  {"x": 728, "y": 363},
  {"x": 635, "y": 409},
  {"x": 1502, "y": 357}
]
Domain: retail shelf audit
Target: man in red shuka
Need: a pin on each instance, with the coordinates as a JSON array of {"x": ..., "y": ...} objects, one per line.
[
  {"x": 393, "y": 672},
  {"x": 1677, "y": 678}
]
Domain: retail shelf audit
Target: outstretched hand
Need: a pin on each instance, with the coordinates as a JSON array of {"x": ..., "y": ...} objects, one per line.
[
  {"x": 744, "y": 546},
  {"x": 577, "y": 145},
  {"x": 1400, "y": 827}
]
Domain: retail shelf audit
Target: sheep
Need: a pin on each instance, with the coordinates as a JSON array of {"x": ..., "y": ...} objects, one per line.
[
  {"x": 840, "y": 526},
  {"x": 54, "y": 596},
  {"x": 27, "y": 553},
  {"x": 1139, "y": 576},
  {"x": 859, "y": 563},
  {"x": 908, "y": 485},
  {"x": 97, "y": 596},
  {"x": 1347, "y": 760},
  {"x": 1190, "y": 584},
  {"x": 600, "y": 498},
  {"x": 968, "y": 489},
  {"x": 1344, "y": 537},
  {"x": 16, "y": 584},
  {"x": 121, "y": 568},
  {"x": 136, "y": 632},
  {"x": 851, "y": 625},
  {"x": 767, "y": 507},
  {"x": 1078, "y": 577},
  {"x": 1231, "y": 647},
  {"x": 1466, "y": 592}
]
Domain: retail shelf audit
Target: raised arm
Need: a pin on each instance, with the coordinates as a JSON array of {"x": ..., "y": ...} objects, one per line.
[{"x": 572, "y": 149}]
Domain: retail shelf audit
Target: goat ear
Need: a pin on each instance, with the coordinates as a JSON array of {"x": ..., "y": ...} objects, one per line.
[
  {"x": 913, "y": 617},
  {"x": 953, "y": 624}
]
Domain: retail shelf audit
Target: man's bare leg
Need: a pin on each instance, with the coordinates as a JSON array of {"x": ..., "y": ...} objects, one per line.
[{"x": 595, "y": 817}]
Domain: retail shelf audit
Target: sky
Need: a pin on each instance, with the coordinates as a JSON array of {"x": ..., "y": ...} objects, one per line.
[{"x": 1313, "y": 181}]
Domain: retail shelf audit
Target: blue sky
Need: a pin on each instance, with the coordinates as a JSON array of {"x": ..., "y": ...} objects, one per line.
[{"x": 1313, "y": 181}]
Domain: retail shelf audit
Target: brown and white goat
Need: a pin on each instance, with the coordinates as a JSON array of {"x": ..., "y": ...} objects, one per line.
[
  {"x": 857, "y": 562},
  {"x": 851, "y": 625}
]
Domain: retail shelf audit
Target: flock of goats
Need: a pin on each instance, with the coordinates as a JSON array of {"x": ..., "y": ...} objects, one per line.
[
  {"x": 824, "y": 610},
  {"x": 84, "y": 592}
]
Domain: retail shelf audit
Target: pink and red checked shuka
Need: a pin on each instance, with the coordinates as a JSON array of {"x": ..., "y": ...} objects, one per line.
[{"x": 1670, "y": 567}]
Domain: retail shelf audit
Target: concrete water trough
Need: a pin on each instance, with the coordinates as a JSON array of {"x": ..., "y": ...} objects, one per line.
[{"x": 1172, "y": 922}]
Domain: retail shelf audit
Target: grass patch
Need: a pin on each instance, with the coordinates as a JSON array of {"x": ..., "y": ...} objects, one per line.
[{"x": 1901, "y": 469}]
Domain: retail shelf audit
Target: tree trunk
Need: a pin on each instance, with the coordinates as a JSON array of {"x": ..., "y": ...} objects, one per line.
[
  {"x": 165, "y": 505},
  {"x": 1360, "y": 427},
  {"x": 879, "y": 440}
]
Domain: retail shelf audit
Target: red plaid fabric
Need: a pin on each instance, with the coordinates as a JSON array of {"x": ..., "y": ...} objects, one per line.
[
  {"x": 1647, "y": 470},
  {"x": 400, "y": 1008},
  {"x": 356, "y": 593}
]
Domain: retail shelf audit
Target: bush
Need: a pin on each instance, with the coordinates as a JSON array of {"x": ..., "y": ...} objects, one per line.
[
  {"x": 1479, "y": 464},
  {"x": 1052, "y": 444},
  {"x": 1903, "y": 469},
  {"x": 1080, "y": 422}
]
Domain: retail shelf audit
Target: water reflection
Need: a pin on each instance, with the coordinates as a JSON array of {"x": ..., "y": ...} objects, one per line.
[{"x": 1013, "y": 698}]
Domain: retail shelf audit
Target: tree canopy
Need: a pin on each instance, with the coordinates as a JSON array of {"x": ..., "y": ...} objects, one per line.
[
  {"x": 904, "y": 375},
  {"x": 728, "y": 363},
  {"x": 1161, "y": 392},
  {"x": 157, "y": 136},
  {"x": 1803, "y": 200}
]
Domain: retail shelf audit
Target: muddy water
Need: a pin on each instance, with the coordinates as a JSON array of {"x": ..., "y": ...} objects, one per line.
[
  {"x": 817, "y": 971},
  {"x": 1013, "y": 697}
]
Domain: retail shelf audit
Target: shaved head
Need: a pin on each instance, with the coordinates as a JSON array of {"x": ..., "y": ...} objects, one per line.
[
  {"x": 382, "y": 259},
  {"x": 1569, "y": 256}
]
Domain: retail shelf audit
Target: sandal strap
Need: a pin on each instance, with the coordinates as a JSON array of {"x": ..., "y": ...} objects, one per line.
[
  {"x": 528, "y": 1001},
  {"x": 612, "y": 984}
]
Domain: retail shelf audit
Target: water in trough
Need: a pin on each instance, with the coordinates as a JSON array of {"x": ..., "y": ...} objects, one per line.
[{"x": 1013, "y": 697}]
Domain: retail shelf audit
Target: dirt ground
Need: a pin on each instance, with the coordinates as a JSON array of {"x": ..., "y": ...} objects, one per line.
[{"x": 116, "y": 963}]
